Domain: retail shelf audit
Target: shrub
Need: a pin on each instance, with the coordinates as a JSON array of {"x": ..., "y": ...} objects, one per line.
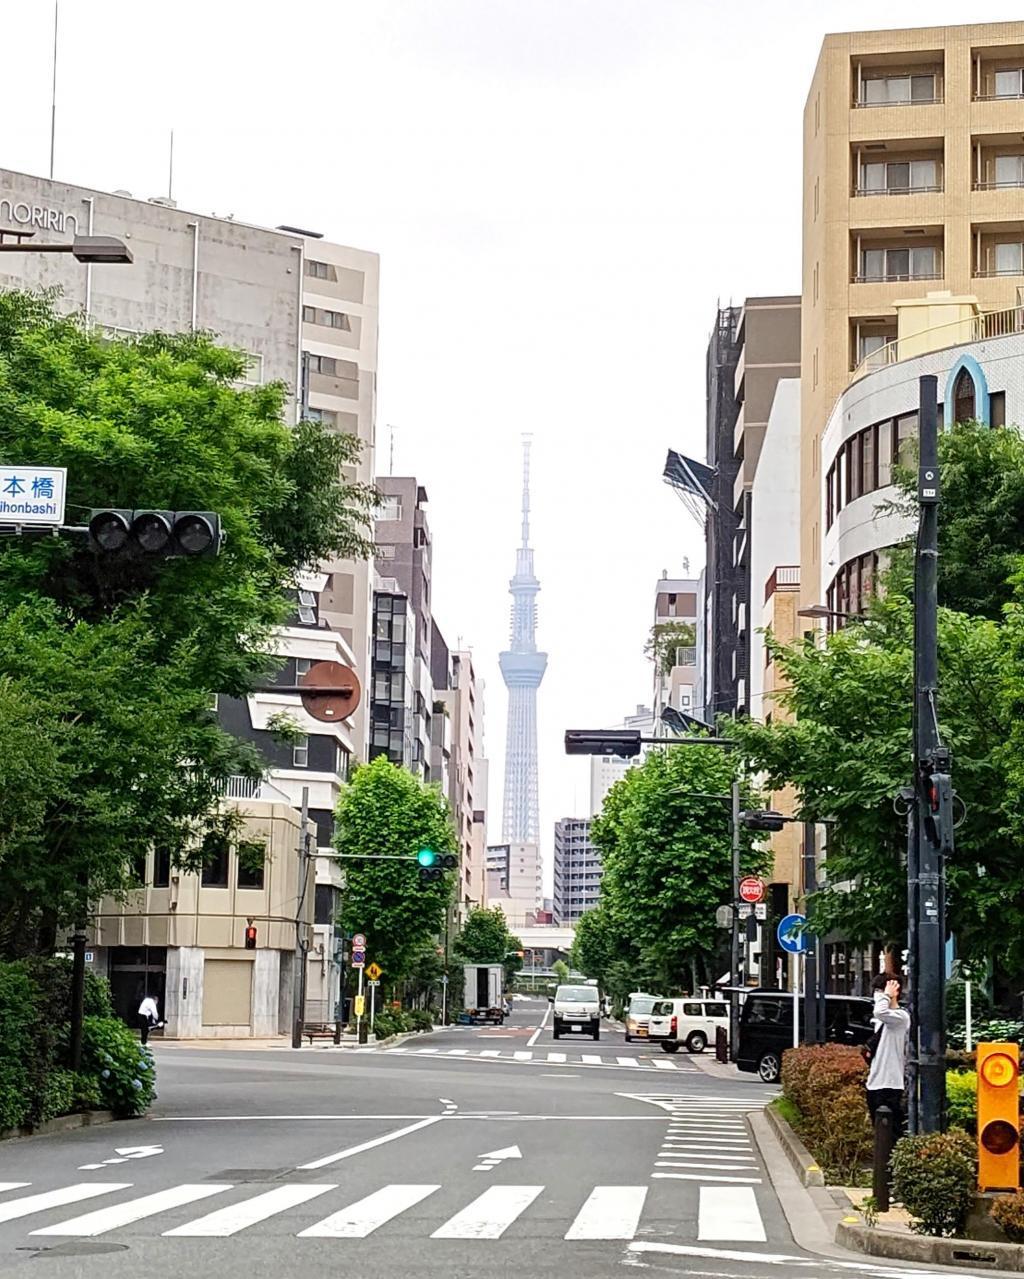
[
  {"x": 58, "y": 1094},
  {"x": 934, "y": 1177},
  {"x": 17, "y": 1033},
  {"x": 123, "y": 1067},
  {"x": 962, "y": 1099},
  {"x": 826, "y": 1084},
  {"x": 87, "y": 1094},
  {"x": 420, "y": 1019},
  {"x": 390, "y": 1021},
  {"x": 1008, "y": 1213}
]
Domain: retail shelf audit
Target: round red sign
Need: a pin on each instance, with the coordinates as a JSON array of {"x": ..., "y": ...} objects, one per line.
[{"x": 751, "y": 889}]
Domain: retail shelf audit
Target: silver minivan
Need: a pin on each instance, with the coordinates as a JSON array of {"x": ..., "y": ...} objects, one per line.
[{"x": 692, "y": 1022}]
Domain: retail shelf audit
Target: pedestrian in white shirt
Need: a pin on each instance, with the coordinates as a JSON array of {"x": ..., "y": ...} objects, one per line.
[
  {"x": 887, "y": 1068},
  {"x": 149, "y": 1016}
]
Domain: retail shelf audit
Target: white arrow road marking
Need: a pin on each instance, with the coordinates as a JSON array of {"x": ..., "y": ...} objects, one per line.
[
  {"x": 125, "y": 1153},
  {"x": 491, "y": 1160},
  {"x": 782, "y": 1259}
]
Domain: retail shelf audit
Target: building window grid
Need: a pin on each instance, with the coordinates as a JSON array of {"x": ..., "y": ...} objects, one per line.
[{"x": 865, "y": 461}]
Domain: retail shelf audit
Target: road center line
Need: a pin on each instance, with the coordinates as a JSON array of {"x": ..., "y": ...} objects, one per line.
[
  {"x": 370, "y": 1145},
  {"x": 543, "y": 1022}
]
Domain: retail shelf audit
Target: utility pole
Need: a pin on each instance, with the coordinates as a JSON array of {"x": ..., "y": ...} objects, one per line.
[
  {"x": 933, "y": 833},
  {"x": 734, "y": 976},
  {"x": 811, "y": 978},
  {"x": 299, "y": 976}
]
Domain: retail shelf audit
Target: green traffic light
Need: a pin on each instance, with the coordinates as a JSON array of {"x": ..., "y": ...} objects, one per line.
[{"x": 426, "y": 857}]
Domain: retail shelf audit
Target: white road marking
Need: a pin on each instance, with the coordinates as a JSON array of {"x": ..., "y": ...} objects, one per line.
[
  {"x": 13, "y": 1185},
  {"x": 730, "y": 1213},
  {"x": 234, "y": 1119},
  {"x": 627, "y": 1061},
  {"x": 781, "y": 1259},
  {"x": 396, "y": 1050},
  {"x": 695, "y": 1176},
  {"x": 703, "y": 1163},
  {"x": 370, "y": 1145},
  {"x": 425, "y": 1052},
  {"x": 229, "y": 1221},
  {"x": 611, "y": 1212},
  {"x": 489, "y": 1215},
  {"x": 556, "y": 1057},
  {"x": 458, "y": 1052},
  {"x": 104, "y": 1219},
  {"x": 543, "y": 1022},
  {"x": 491, "y": 1052},
  {"x": 591, "y": 1059},
  {"x": 661, "y": 1064},
  {"x": 363, "y": 1217},
  {"x": 28, "y": 1204},
  {"x": 523, "y": 1056}
]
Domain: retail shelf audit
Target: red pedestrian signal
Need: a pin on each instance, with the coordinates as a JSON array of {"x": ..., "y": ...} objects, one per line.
[{"x": 250, "y": 937}]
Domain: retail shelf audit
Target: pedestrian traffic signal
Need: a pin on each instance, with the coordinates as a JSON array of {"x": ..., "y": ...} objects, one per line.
[
  {"x": 998, "y": 1117},
  {"x": 250, "y": 937},
  {"x": 155, "y": 533},
  {"x": 939, "y": 817}
]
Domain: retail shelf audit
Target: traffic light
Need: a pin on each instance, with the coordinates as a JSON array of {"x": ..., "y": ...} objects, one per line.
[
  {"x": 763, "y": 819},
  {"x": 250, "y": 937},
  {"x": 998, "y": 1117},
  {"x": 433, "y": 865},
  {"x": 611, "y": 741},
  {"x": 939, "y": 818},
  {"x": 155, "y": 534}
]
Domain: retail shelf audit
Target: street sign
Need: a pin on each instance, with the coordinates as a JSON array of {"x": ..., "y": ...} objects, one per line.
[
  {"x": 761, "y": 910},
  {"x": 374, "y": 972},
  {"x": 752, "y": 889},
  {"x": 329, "y": 691},
  {"x": 373, "y": 982},
  {"x": 723, "y": 916},
  {"x": 360, "y": 1003},
  {"x": 358, "y": 941},
  {"x": 32, "y": 494},
  {"x": 791, "y": 934},
  {"x": 359, "y": 959},
  {"x": 744, "y": 910}
]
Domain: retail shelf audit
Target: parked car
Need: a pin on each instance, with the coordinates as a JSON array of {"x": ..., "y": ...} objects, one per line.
[
  {"x": 692, "y": 1022},
  {"x": 638, "y": 1016},
  {"x": 766, "y": 1028}
]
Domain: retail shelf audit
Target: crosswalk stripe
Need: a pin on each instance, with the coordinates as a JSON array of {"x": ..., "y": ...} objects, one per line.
[
  {"x": 104, "y": 1219},
  {"x": 489, "y": 1215},
  {"x": 556, "y": 1056},
  {"x": 713, "y": 1165},
  {"x": 685, "y": 1148},
  {"x": 491, "y": 1052},
  {"x": 13, "y": 1185},
  {"x": 591, "y": 1059},
  {"x": 699, "y": 1176},
  {"x": 661, "y": 1064},
  {"x": 28, "y": 1204},
  {"x": 627, "y": 1061},
  {"x": 523, "y": 1055},
  {"x": 228, "y": 1221},
  {"x": 611, "y": 1212},
  {"x": 363, "y": 1217},
  {"x": 423, "y": 1052},
  {"x": 731, "y": 1213},
  {"x": 397, "y": 1050},
  {"x": 458, "y": 1052}
]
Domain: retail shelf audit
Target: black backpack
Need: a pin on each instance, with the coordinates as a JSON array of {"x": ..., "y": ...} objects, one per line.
[{"x": 868, "y": 1049}]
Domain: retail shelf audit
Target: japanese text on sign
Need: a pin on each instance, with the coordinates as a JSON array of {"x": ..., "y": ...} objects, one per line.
[{"x": 32, "y": 494}]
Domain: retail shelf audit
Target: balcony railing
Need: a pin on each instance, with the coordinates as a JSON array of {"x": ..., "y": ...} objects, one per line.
[
  {"x": 935, "y": 100},
  {"x": 901, "y": 276},
  {"x": 997, "y": 186},
  {"x": 918, "y": 190},
  {"x": 973, "y": 328},
  {"x": 784, "y": 577}
]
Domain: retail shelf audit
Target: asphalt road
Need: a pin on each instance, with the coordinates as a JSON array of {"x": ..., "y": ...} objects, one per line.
[{"x": 434, "y": 1161}]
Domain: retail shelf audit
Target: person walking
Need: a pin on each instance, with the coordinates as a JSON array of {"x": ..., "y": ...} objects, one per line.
[
  {"x": 888, "y": 1050},
  {"x": 149, "y": 1016}
]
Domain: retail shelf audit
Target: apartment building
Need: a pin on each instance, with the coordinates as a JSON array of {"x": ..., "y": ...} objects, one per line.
[
  {"x": 606, "y": 770},
  {"x": 913, "y": 173},
  {"x": 674, "y": 640},
  {"x": 514, "y": 882},
  {"x": 577, "y": 870}
]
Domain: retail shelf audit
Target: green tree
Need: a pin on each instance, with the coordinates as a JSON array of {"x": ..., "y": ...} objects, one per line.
[
  {"x": 128, "y": 651},
  {"x": 485, "y": 939},
  {"x": 595, "y": 945},
  {"x": 664, "y": 639},
  {"x": 561, "y": 970},
  {"x": 386, "y": 811},
  {"x": 666, "y": 853}
]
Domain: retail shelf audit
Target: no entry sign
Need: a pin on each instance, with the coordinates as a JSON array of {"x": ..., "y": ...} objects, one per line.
[{"x": 751, "y": 889}]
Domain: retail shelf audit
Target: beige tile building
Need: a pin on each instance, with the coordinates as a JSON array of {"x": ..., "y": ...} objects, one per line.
[{"x": 913, "y": 184}]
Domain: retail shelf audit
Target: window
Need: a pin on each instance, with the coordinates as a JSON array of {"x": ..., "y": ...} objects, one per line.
[
  {"x": 328, "y": 319},
  {"x": 300, "y": 753},
  {"x": 869, "y": 476},
  {"x": 325, "y": 364},
  {"x": 390, "y": 507},
  {"x": 215, "y": 872},
  {"x": 853, "y": 469},
  {"x": 716, "y": 1010},
  {"x": 869, "y": 343},
  {"x": 884, "y": 454},
  {"x": 1009, "y": 170},
  {"x": 906, "y": 439},
  {"x": 302, "y": 665},
  {"x": 161, "y": 867},
  {"x": 899, "y": 175},
  {"x": 385, "y": 552},
  {"x": 997, "y": 408},
  {"x": 1008, "y": 84},
  {"x": 693, "y": 1010},
  {"x": 1008, "y": 259},
  {"x": 883, "y": 90},
  {"x": 919, "y": 263},
  {"x": 963, "y": 397},
  {"x": 318, "y": 270},
  {"x": 250, "y": 875}
]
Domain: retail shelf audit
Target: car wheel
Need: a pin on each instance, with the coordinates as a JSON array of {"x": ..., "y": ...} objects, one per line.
[
  {"x": 629, "y": 1037},
  {"x": 597, "y": 1034},
  {"x": 556, "y": 1034},
  {"x": 669, "y": 1046},
  {"x": 768, "y": 1068},
  {"x": 697, "y": 1042}
]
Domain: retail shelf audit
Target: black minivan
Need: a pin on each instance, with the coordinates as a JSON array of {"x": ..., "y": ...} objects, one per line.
[{"x": 766, "y": 1028}]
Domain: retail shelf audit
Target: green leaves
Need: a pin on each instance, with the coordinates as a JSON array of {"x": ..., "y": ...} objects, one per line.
[
  {"x": 385, "y": 810},
  {"x": 485, "y": 938}
]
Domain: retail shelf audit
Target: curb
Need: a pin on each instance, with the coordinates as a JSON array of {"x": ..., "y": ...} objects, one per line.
[
  {"x": 799, "y": 1156},
  {"x": 63, "y": 1123},
  {"x": 879, "y": 1242}
]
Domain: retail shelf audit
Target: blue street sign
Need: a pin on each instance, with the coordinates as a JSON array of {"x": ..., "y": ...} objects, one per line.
[{"x": 791, "y": 934}]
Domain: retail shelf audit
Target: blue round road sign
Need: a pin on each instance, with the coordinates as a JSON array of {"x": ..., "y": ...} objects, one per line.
[{"x": 791, "y": 934}]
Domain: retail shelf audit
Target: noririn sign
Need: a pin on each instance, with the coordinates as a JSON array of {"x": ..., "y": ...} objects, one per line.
[{"x": 21, "y": 213}]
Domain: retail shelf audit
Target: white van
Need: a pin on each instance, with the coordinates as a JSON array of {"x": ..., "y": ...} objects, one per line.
[
  {"x": 577, "y": 1009},
  {"x": 692, "y": 1022}
]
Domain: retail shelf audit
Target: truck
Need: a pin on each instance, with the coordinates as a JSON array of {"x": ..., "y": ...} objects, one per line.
[{"x": 483, "y": 992}]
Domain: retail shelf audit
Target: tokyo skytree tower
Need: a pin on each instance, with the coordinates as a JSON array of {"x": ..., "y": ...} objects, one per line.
[{"x": 522, "y": 669}]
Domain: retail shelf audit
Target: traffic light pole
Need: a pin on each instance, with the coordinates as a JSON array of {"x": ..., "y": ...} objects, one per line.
[
  {"x": 299, "y": 976},
  {"x": 734, "y": 963},
  {"x": 930, "y": 835}
]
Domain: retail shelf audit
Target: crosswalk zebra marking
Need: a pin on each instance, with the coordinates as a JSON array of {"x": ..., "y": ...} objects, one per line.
[
  {"x": 490, "y": 1214},
  {"x": 710, "y": 1164},
  {"x": 104, "y": 1219},
  {"x": 556, "y": 1056},
  {"x": 696, "y": 1176},
  {"x": 610, "y": 1212},
  {"x": 729, "y": 1213},
  {"x": 491, "y": 1052},
  {"x": 591, "y": 1059},
  {"x": 365, "y": 1216},
  {"x": 13, "y": 1185},
  {"x": 628, "y": 1061},
  {"x": 28, "y": 1204},
  {"x": 458, "y": 1052},
  {"x": 661, "y": 1064},
  {"x": 229, "y": 1221},
  {"x": 523, "y": 1055}
]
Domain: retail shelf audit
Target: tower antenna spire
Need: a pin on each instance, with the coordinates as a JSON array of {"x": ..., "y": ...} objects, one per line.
[{"x": 527, "y": 440}]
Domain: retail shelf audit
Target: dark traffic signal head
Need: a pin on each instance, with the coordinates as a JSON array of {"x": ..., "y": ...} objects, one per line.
[
  {"x": 612, "y": 741},
  {"x": 155, "y": 533},
  {"x": 764, "y": 819},
  {"x": 939, "y": 817}
]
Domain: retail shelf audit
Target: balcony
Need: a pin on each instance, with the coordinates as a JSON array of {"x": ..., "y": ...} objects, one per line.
[
  {"x": 912, "y": 80},
  {"x": 997, "y": 164},
  {"x": 898, "y": 168},
  {"x": 998, "y": 73},
  {"x": 976, "y": 328},
  {"x": 998, "y": 250},
  {"x": 785, "y": 577},
  {"x": 869, "y": 339},
  {"x": 889, "y": 257}
]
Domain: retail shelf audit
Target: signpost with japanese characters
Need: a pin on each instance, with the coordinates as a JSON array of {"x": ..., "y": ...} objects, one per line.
[{"x": 33, "y": 495}]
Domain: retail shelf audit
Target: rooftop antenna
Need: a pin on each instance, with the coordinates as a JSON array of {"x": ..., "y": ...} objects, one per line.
[
  {"x": 391, "y": 451},
  {"x": 527, "y": 441},
  {"x": 53, "y": 95},
  {"x": 170, "y": 169}
]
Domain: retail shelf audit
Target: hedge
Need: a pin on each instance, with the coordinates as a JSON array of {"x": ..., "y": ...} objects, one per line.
[{"x": 826, "y": 1084}]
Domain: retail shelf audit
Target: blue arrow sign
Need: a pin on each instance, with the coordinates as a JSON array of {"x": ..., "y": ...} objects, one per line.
[{"x": 791, "y": 934}]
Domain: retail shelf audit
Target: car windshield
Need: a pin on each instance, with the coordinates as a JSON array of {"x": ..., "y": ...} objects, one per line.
[
  {"x": 642, "y": 1006},
  {"x": 576, "y": 994}
]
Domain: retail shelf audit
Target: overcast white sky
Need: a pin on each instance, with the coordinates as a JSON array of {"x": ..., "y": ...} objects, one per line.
[{"x": 560, "y": 190}]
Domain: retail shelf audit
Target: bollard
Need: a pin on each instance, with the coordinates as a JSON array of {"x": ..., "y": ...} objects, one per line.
[
  {"x": 363, "y": 1030},
  {"x": 721, "y": 1044},
  {"x": 885, "y": 1139}
]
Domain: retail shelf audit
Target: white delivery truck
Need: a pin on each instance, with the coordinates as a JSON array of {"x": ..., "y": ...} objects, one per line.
[{"x": 483, "y": 993}]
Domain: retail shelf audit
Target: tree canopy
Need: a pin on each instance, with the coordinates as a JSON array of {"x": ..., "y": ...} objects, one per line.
[{"x": 386, "y": 811}]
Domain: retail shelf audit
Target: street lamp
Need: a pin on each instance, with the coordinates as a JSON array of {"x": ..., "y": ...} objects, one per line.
[
  {"x": 823, "y": 611},
  {"x": 85, "y": 248}
]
